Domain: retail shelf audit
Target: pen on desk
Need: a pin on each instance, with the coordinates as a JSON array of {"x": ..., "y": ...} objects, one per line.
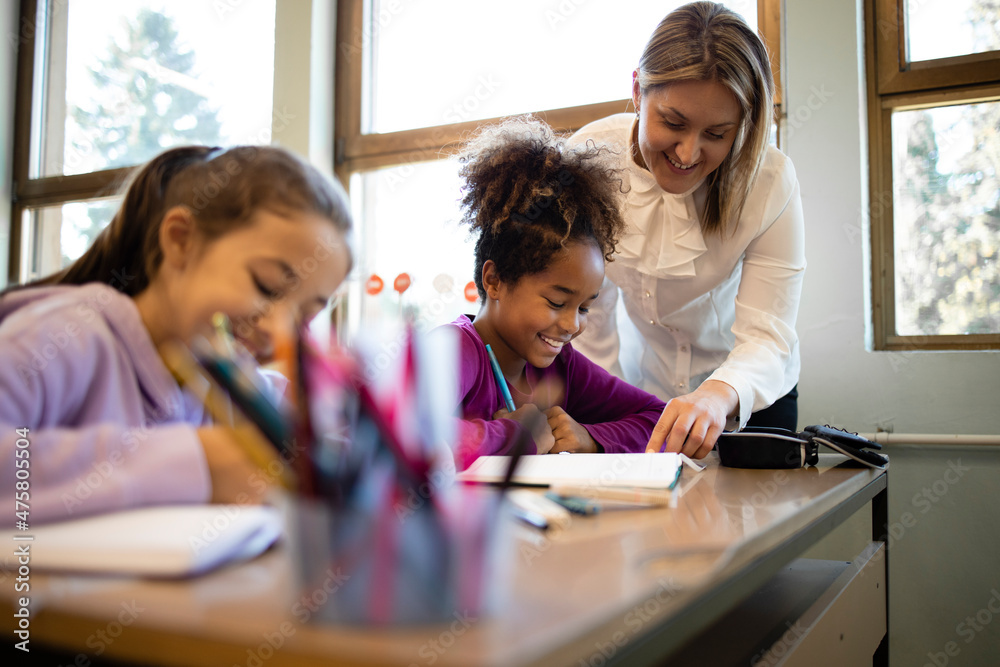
[
  {"x": 633, "y": 495},
  {"x": 501, "y": 380},
  {"x": 575, "y": 504}
]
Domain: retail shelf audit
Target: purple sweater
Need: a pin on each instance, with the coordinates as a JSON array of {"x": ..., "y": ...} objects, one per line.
[
  {"x": 617, "y": 415},
  {"x": 108, "y": 426}
]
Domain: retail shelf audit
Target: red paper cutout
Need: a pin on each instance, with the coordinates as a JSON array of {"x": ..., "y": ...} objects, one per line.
[
  {"x": 401, "y": 283},
  {"x": 374, "y": 284}
]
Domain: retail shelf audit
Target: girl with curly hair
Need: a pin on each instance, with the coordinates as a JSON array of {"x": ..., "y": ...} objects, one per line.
[{"x": 547, "y": 218}]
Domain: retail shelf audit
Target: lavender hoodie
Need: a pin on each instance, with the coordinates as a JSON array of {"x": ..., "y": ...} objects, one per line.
[{"x": 108, "y": 426}]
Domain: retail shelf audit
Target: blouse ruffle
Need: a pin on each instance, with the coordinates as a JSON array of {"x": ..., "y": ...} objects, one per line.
[{"x": 648, "y": 245}]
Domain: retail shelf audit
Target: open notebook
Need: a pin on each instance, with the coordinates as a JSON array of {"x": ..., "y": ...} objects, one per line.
[
  {"x": 649, "y": 470},
  {"x": 166, "y": 541}
]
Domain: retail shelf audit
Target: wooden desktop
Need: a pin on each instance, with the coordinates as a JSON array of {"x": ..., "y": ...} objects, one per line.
[{"x": 715, "y": 580}]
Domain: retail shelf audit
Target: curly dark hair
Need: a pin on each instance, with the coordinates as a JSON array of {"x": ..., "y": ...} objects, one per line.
[{"x": 527, "y": 194}]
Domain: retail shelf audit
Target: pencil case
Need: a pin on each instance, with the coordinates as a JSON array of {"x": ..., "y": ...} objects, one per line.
[{"x": 764, "y": 447}]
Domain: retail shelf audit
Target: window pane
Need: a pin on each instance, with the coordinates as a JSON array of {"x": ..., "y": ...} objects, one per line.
[
  {"x": 946, "y": 28},
  {"x": 55, "y": 236},
  {"x": 126, "y": 79},
  {"x": 946, "y": 199},
  {"x": 445, "y": 61},
  {"x": 410, "y": 226}
]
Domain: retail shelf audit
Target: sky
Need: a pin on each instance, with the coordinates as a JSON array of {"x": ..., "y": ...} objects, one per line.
[{"x": 938, "y": 28}]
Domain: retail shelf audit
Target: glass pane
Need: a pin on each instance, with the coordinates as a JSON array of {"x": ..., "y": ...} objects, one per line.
[
  {"x": 946, "y": 199},
  {"x": 413, "y": 255},
  {"x": 445, "y": 61},
  {"x": 946, "y": 28},
  {"x": 127, "y": 78},
  {"x": 55, "y": 236}
]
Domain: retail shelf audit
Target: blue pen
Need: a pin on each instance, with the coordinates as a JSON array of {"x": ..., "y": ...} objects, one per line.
[{"x": 501, "y": 380}]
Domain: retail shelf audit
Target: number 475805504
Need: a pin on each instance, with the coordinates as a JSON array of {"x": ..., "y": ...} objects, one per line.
[{"x": 21, "y": 455}]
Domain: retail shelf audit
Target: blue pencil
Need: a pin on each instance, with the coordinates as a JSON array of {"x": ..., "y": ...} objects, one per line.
[{"x": 501, "y": 380}]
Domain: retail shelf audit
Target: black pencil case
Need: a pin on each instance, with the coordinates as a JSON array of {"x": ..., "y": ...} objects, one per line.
[{"x": 763, "y": 447}]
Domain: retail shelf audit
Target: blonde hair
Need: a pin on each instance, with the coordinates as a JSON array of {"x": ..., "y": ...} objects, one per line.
[{"x": 705, "y": 41}]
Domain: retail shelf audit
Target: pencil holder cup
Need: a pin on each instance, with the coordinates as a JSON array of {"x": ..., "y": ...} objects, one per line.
[
  {"x": 414, "y": 560},
  {"x": 380, "y": 514}
]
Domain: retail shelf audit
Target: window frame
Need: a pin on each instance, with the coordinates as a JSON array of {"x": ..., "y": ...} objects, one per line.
[
  {"x": 895, "y": 84},
  {"x": 295, "y": 92},
  {"x": 356, "y": 152},
  {"x": 27, "y": 192}
]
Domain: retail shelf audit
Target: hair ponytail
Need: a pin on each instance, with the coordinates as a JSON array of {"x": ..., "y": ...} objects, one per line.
[
  {"x": 222, "y": 189},
  {"x": 127, "y": 251}
]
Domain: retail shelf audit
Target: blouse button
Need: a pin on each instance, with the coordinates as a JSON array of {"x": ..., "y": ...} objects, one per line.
[
  {"x": 684, "y": 348},
  {"x": 651, "y": 323},
  {"x": 647, "y": 294}
]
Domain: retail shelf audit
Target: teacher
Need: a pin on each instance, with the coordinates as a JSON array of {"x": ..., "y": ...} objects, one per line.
[{"x": 710, "y": 267}]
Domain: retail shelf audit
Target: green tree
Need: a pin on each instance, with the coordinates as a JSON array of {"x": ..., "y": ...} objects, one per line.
[
  {"x": 146, "y": 100},
  {"x": 948, "y": 234}
]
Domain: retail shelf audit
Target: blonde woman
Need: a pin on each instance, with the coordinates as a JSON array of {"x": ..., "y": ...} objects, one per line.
[{"x": 709, "y": 269}]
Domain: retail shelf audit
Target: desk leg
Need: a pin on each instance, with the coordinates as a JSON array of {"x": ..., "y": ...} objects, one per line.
[{"x": 880, "y": 532}]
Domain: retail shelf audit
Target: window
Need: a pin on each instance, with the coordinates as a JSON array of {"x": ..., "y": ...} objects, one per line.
[
  {"x": 414, "y": 79},
  {"x": 934, "y": 111},
  {"x": 105, "y": 85}
]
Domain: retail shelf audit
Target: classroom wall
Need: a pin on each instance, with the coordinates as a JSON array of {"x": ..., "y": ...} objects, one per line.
[
  {"x": 944, "y": 502},
  {"x": 8, "y": 65},
  {"x": 304, "y": 38},
  {"x": 842, "y": 382}
]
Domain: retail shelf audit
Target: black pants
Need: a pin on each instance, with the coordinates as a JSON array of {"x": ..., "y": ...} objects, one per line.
[{"x": 783, "y": 413}]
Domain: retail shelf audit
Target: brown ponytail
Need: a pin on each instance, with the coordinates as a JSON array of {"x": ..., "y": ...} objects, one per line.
[{"x": 222, "y": 189}]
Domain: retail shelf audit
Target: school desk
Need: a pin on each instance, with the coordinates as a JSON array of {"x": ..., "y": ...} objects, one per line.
[{"x": 714, "y": 581}]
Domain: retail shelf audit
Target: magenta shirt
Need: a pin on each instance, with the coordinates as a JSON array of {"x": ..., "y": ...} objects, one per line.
[
  {"x": 617, "y": 415},
  {"x": 108, "y": 426}
]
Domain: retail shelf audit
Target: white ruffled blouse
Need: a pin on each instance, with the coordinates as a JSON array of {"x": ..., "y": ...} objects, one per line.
[{"x": 693, "y": 307}]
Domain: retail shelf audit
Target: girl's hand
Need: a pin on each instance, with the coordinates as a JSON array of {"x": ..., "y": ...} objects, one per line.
[
  {"x": 531, "y": 418},
  {"x": 569, "y": 435},
  {"x": 235, "y": 478},
  {"x": 691, "y": 424}
]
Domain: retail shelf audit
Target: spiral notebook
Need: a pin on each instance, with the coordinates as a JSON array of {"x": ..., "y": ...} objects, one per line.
[{"x": 166, "y": 541}]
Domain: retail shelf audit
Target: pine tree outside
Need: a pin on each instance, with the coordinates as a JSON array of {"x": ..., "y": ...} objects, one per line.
[
  {"x": 946, "y": 198},
  {"x": 139, "y": 77}
]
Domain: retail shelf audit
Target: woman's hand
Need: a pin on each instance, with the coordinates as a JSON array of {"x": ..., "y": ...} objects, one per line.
[
  {"x": 691, "y": 424},
  {"x": 531, "y": 418},
  {"x": 569, "y": 435},
  {"x": 235, "y": 478}
]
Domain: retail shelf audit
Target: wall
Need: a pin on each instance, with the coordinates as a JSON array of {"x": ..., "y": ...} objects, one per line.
[
  {"x": 305, "y": 33},
  {"x": 842, "y": 383},
  {"x": 944, "y": 503}
]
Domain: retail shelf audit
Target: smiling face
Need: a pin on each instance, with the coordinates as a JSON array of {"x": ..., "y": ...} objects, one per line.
[
  {"x": 686, "y": 130},
  {"x": 268, "y": 277},
  {"x": 531, "y": 320}
]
